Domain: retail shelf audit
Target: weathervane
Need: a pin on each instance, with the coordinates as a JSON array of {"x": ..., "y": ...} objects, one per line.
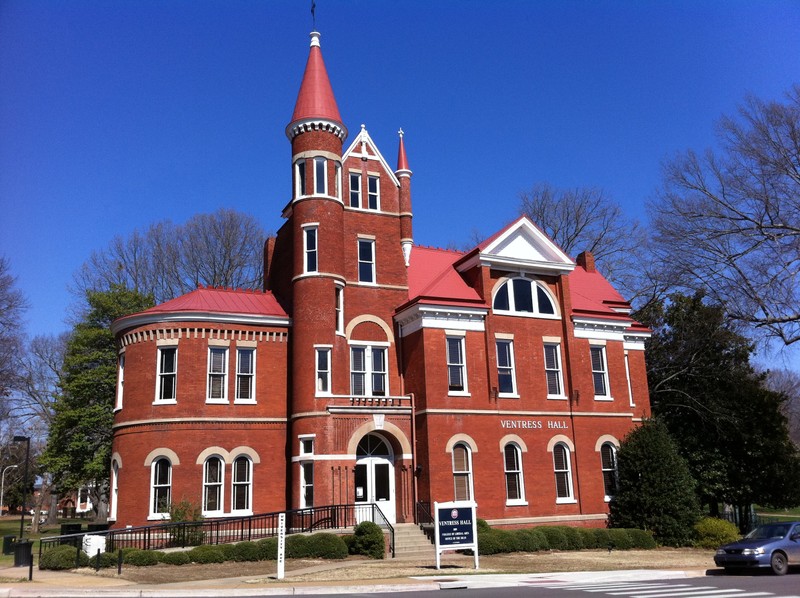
[{"x": 313, "y": 16}]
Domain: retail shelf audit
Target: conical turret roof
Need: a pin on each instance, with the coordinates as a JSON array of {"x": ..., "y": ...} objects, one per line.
[{"x": 315, "y": 99}]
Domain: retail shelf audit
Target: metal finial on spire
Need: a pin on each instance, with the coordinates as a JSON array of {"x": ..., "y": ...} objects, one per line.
[
  {"x": 313, "y": 15},
  {"x": 400, "y": 132}
]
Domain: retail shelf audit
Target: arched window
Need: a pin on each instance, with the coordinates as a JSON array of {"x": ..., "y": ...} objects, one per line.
[
  {"x": 462, "y": 472},
  {"x": 160, "y": 487},
  {"x": 563, "y": 471},
  {"x": 523, "y": 295},
  {"x": 213, "y": 474},
  {"x": 114, "y": 498},
  {"x": 242, "y": 486},
  {"x": 512, "y": 461},
  {"x": 608, "y": 463}
]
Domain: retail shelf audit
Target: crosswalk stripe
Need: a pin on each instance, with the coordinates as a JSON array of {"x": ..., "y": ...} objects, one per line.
[
  {"x": 698, "y": 591},
  {"x": 642, "y": 586},
  {"x": 679, "y": 588}
]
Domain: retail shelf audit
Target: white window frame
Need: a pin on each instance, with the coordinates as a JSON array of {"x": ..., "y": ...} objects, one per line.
[
  {"x": 251, "y": 375},
  {"x": 155, "y": 489},
  {"x": 611, "y": 470},
  {"x": 323, "y": 375},
  {"x": 306, "y": 444},
  {"x": 462, "y": 474},
  {"x": 355, "y": 176},
  {"x": 535, "y": 288},
  {"x": 566, "y": 473},
  {"x": 300, "y": 173},
  {"x": 369, "y": 370},
  {"x": 161, "y": 376},
  {"x": 371, "y": 262},
  {"x": 310, "y": 233},
  {"x": 338, "y": 180},
  {"x": 554, "y": 371},
  {"x": 218, "y": 486},
  {"x": 120, "y": 380},
  {"x": 114, "y": 496},
  {"x": 223, "y": 375},
  {"x": 320, "y": 166},
  {"x": 511, "y": 368},
  {"x": 248, "y": 483},
  {"x": 459, "y": 364},
  {"x": 306, "y": 472},
  {"x": 516, "y": 473},
  {"x": 376, "y": 194},
  {"x": 339, "y": 308},
  {"x": 601, "y": 372}
]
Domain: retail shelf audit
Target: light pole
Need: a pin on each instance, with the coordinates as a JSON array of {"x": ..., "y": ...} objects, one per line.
[
  {"x": 27, "y": 441},
  {"x": 3, "y": 485}
]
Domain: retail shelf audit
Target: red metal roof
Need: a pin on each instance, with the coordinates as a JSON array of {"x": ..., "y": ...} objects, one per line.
[
  {"x": 402, "y": 161},
  {"x": 221, "y": 300},
  {"x": 431, "y": 274},
  {"x": 593, "y": 294},
  {"x": 315, "y": 98}
]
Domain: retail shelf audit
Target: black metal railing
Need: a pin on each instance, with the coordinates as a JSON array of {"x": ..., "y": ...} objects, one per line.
[{"x": 181, "y": 534}]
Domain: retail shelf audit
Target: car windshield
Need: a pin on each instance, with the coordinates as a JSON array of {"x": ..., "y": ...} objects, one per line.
[{"x": 776, "y": 530}]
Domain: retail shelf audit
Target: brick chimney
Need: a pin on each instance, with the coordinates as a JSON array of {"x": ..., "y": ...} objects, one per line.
[{"x": 586, "y": 261}]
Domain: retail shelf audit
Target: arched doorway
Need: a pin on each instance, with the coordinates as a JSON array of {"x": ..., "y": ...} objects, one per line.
[{"x": 374, "y": 477}]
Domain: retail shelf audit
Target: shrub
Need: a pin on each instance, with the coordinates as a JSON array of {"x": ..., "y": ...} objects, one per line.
[
  {"x": 267, "y": 549},
  {"x": 368, "y": 540},
  {"x": 227, "y": 551},
  {"x": 206, "y": 554},
  {"x": 62, "y": 557},
  {"x": 107, "y": 560},
  {"x": 297, "y": 546},
  {"x": 642, "y": 539},
  {"x": 531, "y": 540},
  {"x": 349, "y": 540},
  {"x": 620, "y": 539},
  {"x": 490, "y": 541},
  {"x": 244, "y": 551},
  {"x": 602, "y": 538},
  {"x": 711, "y": 532},
  {"x": 556, "y": 538},
  {"x": 482, "y": 525},
  {"x": 140, "y": 558},
  {"x": 189, "y": 515},
  {"x": 573, "y": 536},
  {"x": 327, "y": 546},
  {"x": 175, "y": 558},
  {"x": 588, "y": 537}
]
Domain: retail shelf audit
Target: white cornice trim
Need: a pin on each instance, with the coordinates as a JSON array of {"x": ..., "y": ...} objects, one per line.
[
  {"x": 518, "y": 414},
  {"x": 200, "y": 420},
  {"x": 418, "y": 316},
  {"x": 196, "y": 316},
  {"x": 293, "y": 129},
  {"x": 364, "y": 137},
  {"x": 598, "y": 328}
]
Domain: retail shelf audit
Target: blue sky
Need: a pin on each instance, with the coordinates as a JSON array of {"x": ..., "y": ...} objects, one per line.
[{"x": 116, "y": 114}]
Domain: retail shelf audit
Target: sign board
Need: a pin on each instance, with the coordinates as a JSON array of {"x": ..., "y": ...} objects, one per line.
[
  {"x": 456, "y": 528},
  {"x": 281, "y": 544}
]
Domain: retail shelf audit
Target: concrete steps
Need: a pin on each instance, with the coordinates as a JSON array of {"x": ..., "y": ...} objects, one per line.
[{"x": 411, "y": 543}]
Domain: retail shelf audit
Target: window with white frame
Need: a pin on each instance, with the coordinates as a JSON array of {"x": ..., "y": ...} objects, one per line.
[
  {"x": 355, "y": 190},
  {"x": 366, "y": 260},
  {"x": 320, "y": 176},
  {"x": 512, "y": 465},
  {"x": 245, "y": 374},
  {"x": 599, "y": 372},
  {"x": 462, "y": 472},
  {"x": 456, "y": 364},
  {"x": 506, "y": 379},
  {"x": 552, "y": 370},
  {"x": 323, "y": 363},
  {"x": 114, "y": 498},
  {"x": 120, "y": 379},
  {"x": 562, "y": 468},
  {"x": 368, "y": 371},
  {"x": 241, "y": 485},
  {"x": 167, "y": 374},
  {"x": 373, "y": 192},
  {"x": 339, "y": 300},
  {"x": 525, "y": 296},
  {"x": 300, "y": 178},
  {"x": 213, "y": 479},
  {"x": 217, "y": 374},
  {"x": 160, "y": 487},
  {"x": 310, "y": 249},
  {"x": 306, "y": 445},
  {"x": 608, "y": 464},
  {"x": 338, "y": 181},
  {"x": 306, "y": 484}
]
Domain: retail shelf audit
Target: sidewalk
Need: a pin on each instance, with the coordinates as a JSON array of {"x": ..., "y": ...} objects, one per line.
[{"x": 67, "y": 584}]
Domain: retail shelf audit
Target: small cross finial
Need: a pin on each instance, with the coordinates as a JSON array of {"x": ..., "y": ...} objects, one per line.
[{"x": 313, "y": 15}]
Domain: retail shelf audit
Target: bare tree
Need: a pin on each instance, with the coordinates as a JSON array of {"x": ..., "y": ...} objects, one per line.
[
  {"x": 12, "y": 307},
  {"x": 787, "y": 382},
  {"x": 586, "y": 219},
  {"x": 728, "y": 222},
  {"x": 166, "y": 260},
  {"x": 39, "y": 373}
]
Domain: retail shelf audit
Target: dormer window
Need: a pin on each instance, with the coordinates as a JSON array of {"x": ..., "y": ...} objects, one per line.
[
  {"x": 523, "y": 295},
  {"x": 373, "y": 193}
]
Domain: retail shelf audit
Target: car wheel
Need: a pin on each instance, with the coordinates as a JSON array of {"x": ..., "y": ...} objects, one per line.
[{"x": 779, "y": 563}]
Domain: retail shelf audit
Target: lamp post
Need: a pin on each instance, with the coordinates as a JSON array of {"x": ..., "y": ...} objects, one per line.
[
  {"x": 27, "y": 441},
  {"x": 3, "y": 485}
]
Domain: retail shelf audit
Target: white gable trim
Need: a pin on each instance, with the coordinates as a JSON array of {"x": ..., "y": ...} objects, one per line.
[
  {"x": 443, "y": 317},
  {"x": 355, "y": 151}
]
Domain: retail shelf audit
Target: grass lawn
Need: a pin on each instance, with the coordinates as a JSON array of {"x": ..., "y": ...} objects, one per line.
[
  {"x": 9, "y": 526},
  {"x": 788, "y": 513}
]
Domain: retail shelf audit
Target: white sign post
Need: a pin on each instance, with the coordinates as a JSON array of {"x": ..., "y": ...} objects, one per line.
[
  {"x": 281, "y": 544},
  {"x": 456, "y": 528}
]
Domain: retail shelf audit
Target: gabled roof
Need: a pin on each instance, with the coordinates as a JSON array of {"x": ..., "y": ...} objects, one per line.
[
  {"x": 364, "y": 147},
  {"x": 592, "y": 294},
  {"x": 431, "y": 275},
  {"x": 315, "y": 100},
  {"x": 211, "y": 304}
]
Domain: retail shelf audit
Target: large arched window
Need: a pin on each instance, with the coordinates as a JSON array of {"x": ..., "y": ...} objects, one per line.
[
  {"x": 512, "y": 465},
  {"x": 462, "y": 472},
  {"x": 523, "y": 295},
  {"x": 562, "y": 468},
  {"x": 160, "y": 487},
  {"x": 608, "y": 463},
  {"x": 213, "y": 476},
  {"x": 242, "y": 485}
]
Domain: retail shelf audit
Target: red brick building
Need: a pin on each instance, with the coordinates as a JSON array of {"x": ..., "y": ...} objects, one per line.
[{"x": 373, "y": 370}]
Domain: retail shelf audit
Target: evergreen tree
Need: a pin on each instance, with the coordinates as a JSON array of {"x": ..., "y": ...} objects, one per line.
[
  {"x": 78, "y": 448},
  {"x": 656, "y": 492}
]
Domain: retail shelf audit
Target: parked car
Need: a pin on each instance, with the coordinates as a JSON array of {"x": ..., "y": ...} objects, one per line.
[{"x": 774, "y": 545}]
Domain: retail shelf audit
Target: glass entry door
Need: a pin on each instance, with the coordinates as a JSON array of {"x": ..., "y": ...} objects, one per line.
[{"x": 374, "y": 478}]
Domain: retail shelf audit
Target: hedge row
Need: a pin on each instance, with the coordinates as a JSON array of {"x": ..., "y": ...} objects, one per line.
[
  {"x": 495, "y": 541},
  {"x": 366, "y": 539}
]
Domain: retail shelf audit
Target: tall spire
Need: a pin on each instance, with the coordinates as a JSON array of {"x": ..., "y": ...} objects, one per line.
[
  {"x": 402, "y": 161},
  {"x": 316, "y": 104}
]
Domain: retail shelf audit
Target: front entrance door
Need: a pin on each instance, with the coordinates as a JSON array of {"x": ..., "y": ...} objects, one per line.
[{"x": 374, "y": 478}]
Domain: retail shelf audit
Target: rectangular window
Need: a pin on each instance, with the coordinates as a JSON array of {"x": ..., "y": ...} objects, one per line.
[
  {"x": 338, "y": 181},
  {"x": 552, "y": 369},
  {"x": 217, "y": 374},
  {"x": 462, "y": 472},
  {"x": 505, "y": 367},
  {"x": 366, "y": 260},
  {"x": 160, "y": 488},
  {"x": 368, "y": 371},
  {"x": 167, "y": 374},
  {"x": 599, "y": 372},
  {"x": 339, "y": 310},
  {"x": 320, "y": 176},
  {"x": 323, "y": 371},
  {"x": 513, "y": 469},
  {"x": 245, "y": 374},
  {"x": 307, "y": 485},
  {"x": 120, "y": 379},
  {"x": 212, "y": 485},
  {"x": 300, "y": 178},
  {"x": 355, "y": 190},
  {"x": 242, "y": 488},
  {"x": 310, "y": 247},
  {"x": 456, "y": 365},
  {"x": 373, "y": 186}
]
